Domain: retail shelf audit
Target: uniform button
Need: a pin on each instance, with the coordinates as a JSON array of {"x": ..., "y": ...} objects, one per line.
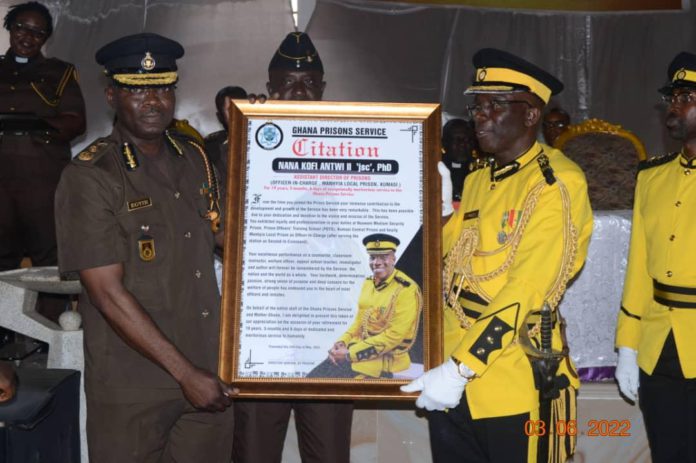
[
  {"x": 12, "y": 109},
  {"x": 177, "y": 195},
  {"x": 493, "y": 186},
  {"x": 205, "y": 313},
  {"x": 498, "y": 328},
  {"x": 198, "y": 273},
  {"x": 15, "y": 73},
  {"x": 12, "y": 87},
  {"x": 187, "y": 235},
  {"x": 669, "y": 274},
  {"x": 687, "y": 171},
  {"x": 490, "y": 340},
  {"x": 480, "y": 351},
  {"x": 678, "y": 203},
  {"x": 671, "y": 237}
]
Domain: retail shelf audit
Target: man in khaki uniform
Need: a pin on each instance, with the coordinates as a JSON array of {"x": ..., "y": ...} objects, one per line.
[
  {"x": 42, "y": 111},
  {"x": 520, "y": 233},
  {"x": 657, "y": 320},
  {"x": 323, "y": 426},
  {"x": 378, "y": 341},
  {"x": 138, "y": 218}
]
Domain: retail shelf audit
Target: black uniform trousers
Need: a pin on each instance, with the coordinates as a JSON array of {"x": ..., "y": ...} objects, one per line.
[
  {"x": 668, "y": 403},
  {"x": 323, "y": 430},
  {"x": 455, "y": 437}
]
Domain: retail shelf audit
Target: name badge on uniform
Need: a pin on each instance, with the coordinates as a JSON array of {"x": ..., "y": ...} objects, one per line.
[
  {"x": 139, "y": 204},
  {"x": 146, "y": 245},
  {"x": 471, "y": 215}
]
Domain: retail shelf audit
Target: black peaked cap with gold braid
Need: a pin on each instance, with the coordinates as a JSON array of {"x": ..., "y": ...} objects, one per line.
[
  {"x": 380, "y": 243},
  {"x": 296, "y": 53},
  {"x": 498, "y": 71},
  {"x": 141, "y": 60},
  {"x": 681, "y": 73}
]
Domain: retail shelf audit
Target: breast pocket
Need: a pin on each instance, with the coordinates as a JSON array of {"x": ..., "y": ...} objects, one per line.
[{"x": 148, "y": 236}]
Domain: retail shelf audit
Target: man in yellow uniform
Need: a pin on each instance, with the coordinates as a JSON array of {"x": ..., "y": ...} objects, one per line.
[
  {"x": 520, "y": 233},
  {"x": 656, "y": 325},
  {"x": 377, "y": 342}
]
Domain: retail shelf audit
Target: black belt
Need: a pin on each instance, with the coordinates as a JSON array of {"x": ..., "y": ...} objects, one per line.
[{"x": 679, "y": 297}]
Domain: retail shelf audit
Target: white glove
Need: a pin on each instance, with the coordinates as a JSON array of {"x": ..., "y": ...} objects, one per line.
[
  {"x": 447, "y": 208},
  {"x": 442, "y": 387},
  {"x": 627, "y": 372}
]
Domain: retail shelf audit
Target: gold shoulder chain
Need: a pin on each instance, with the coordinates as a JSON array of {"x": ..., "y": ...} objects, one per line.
[{"x": 458, "y": 262}]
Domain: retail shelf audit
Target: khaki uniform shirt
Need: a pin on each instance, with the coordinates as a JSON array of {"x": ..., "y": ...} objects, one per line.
[
  {"x": 661, "y": 256},
  {"x": 45, "y": 87},
  {"x": 516, "y": 262},
  {"x": 108, "y": 215},
  {"x": 385, "y": 326}
]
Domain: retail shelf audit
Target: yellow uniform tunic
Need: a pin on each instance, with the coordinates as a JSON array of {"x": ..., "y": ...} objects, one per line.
[
  {"x": 661, "y": 265},
  {"x": 513, "y": 208},
  {"x": 385, "y": 326}
]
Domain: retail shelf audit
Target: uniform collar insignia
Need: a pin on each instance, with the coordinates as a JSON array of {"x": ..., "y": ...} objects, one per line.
[
  {"x": 499, "y": 173},
  {"x": 687, "y": 163}
]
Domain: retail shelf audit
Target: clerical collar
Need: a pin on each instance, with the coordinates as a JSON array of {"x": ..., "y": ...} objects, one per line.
[
  {"x": 499, "y": 173},
  {"x": 21, "y": 59}
]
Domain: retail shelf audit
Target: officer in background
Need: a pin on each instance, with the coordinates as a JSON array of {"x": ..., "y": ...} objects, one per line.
[
  {"x": 520, "y": 233},
  {"x": 41, "y": 111},
  {"x": 377, "y": 343},
  {"x": 657, "y": 320},
  {"x": 216, "y": 143},
  {"x": 323, "y": 427},
  {"x": 556, "y": 121},
  {"x": 139, "y": 220},
  {"x": 459, "y": 148}
]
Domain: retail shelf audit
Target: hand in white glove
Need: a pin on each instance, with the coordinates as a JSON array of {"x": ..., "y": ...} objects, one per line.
[
  {"x": 627, "y": 372},
  {"x": 442, "y": 387},
  {"x": 447, "y": 208}
]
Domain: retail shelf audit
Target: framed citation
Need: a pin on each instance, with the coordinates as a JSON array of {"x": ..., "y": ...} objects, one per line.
[{"x": 332, "y": 272}]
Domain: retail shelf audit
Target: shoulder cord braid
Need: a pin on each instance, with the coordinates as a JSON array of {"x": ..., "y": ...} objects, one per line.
[
  {"x": 59, "y": 90},
  {"x": 386, "y": 318},
  {"x": 213, "y": 213},
  {"x": 458, "y": 260}
]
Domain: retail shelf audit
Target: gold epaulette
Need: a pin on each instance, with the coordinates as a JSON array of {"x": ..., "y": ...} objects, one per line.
[
  {"x": 657, "y": 161},
  {"x": 93, "y": 152}
]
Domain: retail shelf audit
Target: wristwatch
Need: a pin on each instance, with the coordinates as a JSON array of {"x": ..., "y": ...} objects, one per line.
[{"x": 463, "y": 370}]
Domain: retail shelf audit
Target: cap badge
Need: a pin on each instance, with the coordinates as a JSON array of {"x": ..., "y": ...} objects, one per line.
[
  {"x": 680, "y": 75},
  {"x": 377, "y": 243},
  {"x": 85, "y": 156},
  {"x": 148, "y": 62},
  {"x": 481, "y": 75}
]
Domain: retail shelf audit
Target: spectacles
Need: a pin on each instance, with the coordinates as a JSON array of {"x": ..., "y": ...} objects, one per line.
[
  {"x": 679, "y": 98},
  {"x": 554, "y": 125},
  {"x": 36, "y": 33},
  {"x": 495, "y": 106}
]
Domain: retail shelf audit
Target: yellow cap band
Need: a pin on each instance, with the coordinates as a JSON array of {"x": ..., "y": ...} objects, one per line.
[
  {"x": 684, "y": 74},
  {"x": 144, "y": 80},
  {"x": 504, "y": 75},
  {"x": 376, "y": 247}
]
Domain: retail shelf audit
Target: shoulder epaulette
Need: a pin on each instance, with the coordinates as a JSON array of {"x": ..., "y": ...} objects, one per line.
[
  {"x": 403, "y": 282},
  {"x": 657, "y": 161},
  {"x": 94, "y": 151}
]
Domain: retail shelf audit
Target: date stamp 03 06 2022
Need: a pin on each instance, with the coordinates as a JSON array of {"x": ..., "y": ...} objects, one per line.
[{"x": 596, "y": 428}]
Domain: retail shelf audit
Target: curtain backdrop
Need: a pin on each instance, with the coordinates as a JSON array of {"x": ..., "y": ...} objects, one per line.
[
  {"x": 226, "y": 43},
  {"x": 611, "y": 64}
]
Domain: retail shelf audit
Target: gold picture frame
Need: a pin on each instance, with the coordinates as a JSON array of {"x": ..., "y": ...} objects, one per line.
[{"x": 256, "y": 130}]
